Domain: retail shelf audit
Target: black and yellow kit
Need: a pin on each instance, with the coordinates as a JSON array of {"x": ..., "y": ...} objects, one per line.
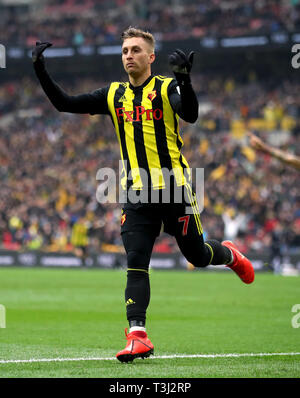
[
  {"x": 148, "y": 132},
  {"x": 146, "y": 120}
]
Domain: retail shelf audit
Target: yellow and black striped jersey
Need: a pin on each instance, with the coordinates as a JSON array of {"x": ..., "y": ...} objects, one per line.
[
  {"x": 147, "y": 127},
  {"x": 146, "y": 120}
]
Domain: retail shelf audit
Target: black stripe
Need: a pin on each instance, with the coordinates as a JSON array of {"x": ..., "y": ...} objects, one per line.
[
  {"x": 118, "y": 94},
  {"x": 179, "y": 144},
  {"x": 139, "y": 139}
]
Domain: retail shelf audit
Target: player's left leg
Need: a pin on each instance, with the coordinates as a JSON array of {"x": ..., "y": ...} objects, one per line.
[{"x": 189, "y": 235}]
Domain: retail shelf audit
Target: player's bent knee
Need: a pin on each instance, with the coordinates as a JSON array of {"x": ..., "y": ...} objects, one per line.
[{"x": 197, "y": 262}]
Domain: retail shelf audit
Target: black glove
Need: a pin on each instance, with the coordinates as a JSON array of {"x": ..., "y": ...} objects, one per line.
[
  {"x": 37, "y": 52},
  {"x": 181, "y": 65}
]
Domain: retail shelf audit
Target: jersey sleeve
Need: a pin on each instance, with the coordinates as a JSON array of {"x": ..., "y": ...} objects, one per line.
[
  {"x": 98, "y": 101},
  {"x": 183, "y": 101},
  {"x": 92, "y": 103},
  {"x": 174, "y": 95}
]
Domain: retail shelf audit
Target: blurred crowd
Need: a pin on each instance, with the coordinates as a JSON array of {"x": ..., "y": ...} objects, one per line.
[
  {"x": 95, "y": 22},
  {"x": 49, "y": 163}
]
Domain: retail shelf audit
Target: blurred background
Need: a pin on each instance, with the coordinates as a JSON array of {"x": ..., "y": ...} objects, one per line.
[{"x": 244, "y": 79}]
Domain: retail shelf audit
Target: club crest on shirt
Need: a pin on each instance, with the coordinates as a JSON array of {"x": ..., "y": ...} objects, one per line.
[
  {"x": 123, "y": 219},
  {"x": 152, "y": 95}
]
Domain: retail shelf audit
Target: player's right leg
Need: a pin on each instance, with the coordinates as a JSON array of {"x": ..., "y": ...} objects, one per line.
[
  {"x": 189, "y": 235},
  {"x": 240, "y": 263},
  {"x": 213, "y": 252}
]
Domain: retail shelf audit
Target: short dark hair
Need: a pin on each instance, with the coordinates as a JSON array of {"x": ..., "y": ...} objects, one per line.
[{"x": 135, "y": 32}]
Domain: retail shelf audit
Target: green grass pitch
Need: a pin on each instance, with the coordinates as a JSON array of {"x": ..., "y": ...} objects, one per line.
[{"x": 80, "y": 313}]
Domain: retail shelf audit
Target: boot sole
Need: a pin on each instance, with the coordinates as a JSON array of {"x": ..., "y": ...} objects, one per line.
[{"x": 130, "y": 357}]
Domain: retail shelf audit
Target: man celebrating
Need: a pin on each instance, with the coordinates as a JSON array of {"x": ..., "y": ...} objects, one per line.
[{"x": 145, "y": 112}]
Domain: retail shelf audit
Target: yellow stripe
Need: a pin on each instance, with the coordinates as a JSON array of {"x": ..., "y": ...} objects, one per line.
[
  {"x": 150, "y": 140},
  {"x": 137, "y": 269},
  {"x": 129, "y": 132},
  {"x": 110, "y": 102},
  {"x": 171, "y": 132},
  {"x": 130, "y": 144},
  {"x": 195, "y": 210},
  {"x": 212, "y": 252},
  {"x": 199, "y": 220}
]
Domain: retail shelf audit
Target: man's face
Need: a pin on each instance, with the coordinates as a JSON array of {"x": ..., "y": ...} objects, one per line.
[{"x": 137, "y": 56}]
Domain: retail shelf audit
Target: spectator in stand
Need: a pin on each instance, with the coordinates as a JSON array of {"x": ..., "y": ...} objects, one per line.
[
  {"x": 233, "y": 223},
  {"x": 285, "y": 157}
]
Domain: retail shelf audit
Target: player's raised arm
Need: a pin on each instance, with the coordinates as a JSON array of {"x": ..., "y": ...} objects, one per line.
[
  {"x": 184, "y": 102},
  {"x": 93, "y": 103},
  {"x": 285, "y": 157}
]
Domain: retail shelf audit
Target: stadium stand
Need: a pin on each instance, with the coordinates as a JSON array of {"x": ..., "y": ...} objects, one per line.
[
  {"x": 90, "y": 22},
  {"x": 47, "y": 188}
]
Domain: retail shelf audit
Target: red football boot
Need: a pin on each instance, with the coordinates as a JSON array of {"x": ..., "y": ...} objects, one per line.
[
  {"x": 241, "y": 265},
  {"x": 138, "y": 346}
]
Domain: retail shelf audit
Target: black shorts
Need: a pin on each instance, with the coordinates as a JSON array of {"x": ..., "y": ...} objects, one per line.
[{"x": 173, "y": 218}]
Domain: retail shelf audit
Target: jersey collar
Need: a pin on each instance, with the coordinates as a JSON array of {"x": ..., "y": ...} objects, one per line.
[{"x": 135, "y": 88}]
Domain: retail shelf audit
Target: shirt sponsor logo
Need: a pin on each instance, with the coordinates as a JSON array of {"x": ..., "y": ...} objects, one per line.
[{"x": 136, "y": 114}]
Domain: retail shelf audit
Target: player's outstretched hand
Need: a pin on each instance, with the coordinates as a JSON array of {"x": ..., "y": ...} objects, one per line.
[
  {"x": 180, "y": 63},
  {"x": 256, "y": 142},
  {"x": 37, "y": 52}
]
